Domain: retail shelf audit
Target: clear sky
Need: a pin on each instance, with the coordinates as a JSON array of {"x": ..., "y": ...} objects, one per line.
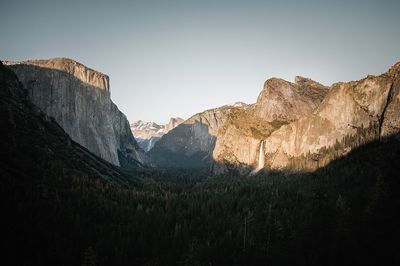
[{"x": 176, "y": 58}]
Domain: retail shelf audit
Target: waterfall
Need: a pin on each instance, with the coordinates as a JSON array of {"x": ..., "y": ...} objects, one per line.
[
  {"x": 261, "y": 160},
  {"x": 261, "y": 156}
]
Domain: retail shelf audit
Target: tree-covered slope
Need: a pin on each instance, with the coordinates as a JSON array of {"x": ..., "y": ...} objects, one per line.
[{"x": 59, "y": 208}]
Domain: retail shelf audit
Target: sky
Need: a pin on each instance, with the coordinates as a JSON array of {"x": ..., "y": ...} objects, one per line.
[{"x": 177, "y": 58}]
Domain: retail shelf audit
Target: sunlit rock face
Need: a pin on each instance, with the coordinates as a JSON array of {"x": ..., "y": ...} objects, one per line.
[
  {"x": 148, "y": 133},
  {"x": 279, "y": 103},
  {"x": 283, "y": 100},
  {"x": 391, "y": 117},
  {"x": 33, "y": 145},
  {"x": 78, "y": 98},
  {"x": 351, "y": 114}
]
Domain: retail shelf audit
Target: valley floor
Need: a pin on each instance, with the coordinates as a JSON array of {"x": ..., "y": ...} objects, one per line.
[{"x": 343, "y": 214}]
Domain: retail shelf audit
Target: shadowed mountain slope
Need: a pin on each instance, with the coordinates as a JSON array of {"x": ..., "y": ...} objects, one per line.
[
  {"x": 78, "y": 98},
  {"x": 35, "y": 145}
]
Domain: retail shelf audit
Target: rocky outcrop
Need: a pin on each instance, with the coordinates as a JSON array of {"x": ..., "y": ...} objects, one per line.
[
  {"x": 228, "y": 138},
  {"x": 190, "y": 144},
  {"x": 351, "y": 114},
  {"x": 279, "y": 103},
  {"x": 172, "y": 123},
  {"x": 390, "y": 120},
  {"x": 35, "y": 147},
  {"x": 148, "y": 133},
  {"x": 292, "y": 126},
  {"x": 78, "y": 98},
  {"x": 286, "y": 101}
]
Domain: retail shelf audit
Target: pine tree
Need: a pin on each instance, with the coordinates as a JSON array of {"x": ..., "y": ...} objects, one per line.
[{"x": 89, "y": 258}]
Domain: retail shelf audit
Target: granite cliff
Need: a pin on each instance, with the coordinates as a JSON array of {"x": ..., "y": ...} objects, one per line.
[
  {"x": 78, "y": 98},
  {"x": 352, "y": 114},
  {"x": 190, "y": 144},
  {"x": 299, "y": 126},
  {"x": 238, "y": 141},
  {"x": 34, "y": 147},
  {"x": 228, "y": 138}
]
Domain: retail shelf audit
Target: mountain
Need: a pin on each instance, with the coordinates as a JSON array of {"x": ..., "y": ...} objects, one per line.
[
  {"x": 190, "y": 144},
  {"x": 352, "y": 113},
  {"x": 238, "y": 142},
  {"x": 228, "y": 138},
  {"x": 41, "y": 169},
  {"x": 148, "y": 133},
  {"x": 303, "y": 126},
  {"x": 298, "y": 126},
  {"x": 34, "y": 145},
  {"x": 78, "y": 98},
  {"x": 59, "y": 195}
]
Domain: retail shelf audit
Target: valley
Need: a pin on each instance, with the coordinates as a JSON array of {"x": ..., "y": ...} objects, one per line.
[
  {"x": 200, "y": 133},
  {"x": 308, "y": 175}
]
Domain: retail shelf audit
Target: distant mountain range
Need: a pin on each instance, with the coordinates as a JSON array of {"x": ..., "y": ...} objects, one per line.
[{"x": 148, "y": 133}]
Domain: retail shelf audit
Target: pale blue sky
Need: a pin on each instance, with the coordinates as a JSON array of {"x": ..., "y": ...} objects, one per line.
[{"x": 177, "y": 58}]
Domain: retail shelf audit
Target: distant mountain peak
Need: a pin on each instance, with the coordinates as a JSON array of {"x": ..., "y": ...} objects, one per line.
[{"x": 148, "y": 133}]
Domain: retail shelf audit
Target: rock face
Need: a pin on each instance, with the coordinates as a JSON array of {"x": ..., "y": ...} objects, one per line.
[
  {"x": 280, "y": 102},
  {"x": 286, "y": 101},
  {"x": 228, "y": 138},
  {"x": 351, "y": 114},
  {"x": 190, "y": 144},
  {"x": 172, "y": 123},
  {"x": 78, "y": 98},
  {"x": 34, "y": 146},
  {"x": 148, "y": 133},
  {"x": 390, "y": 120}
]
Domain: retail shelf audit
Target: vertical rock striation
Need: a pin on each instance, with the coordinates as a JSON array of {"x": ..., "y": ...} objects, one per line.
[
  {"x": 279, "y": 103},
  {"x": 191, "y": 143},
  {"x": 33, "y": 147},
  {"x": 352, "y": 114},
  {"x": 78, "y": 98}
]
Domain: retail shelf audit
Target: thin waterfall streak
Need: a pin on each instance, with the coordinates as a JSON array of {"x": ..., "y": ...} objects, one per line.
[
  {"x": 261, "y": 157},
  {"x": 261, "y": 160}
]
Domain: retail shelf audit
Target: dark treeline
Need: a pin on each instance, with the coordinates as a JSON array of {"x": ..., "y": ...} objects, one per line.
[{"x": 343, "y": 214}]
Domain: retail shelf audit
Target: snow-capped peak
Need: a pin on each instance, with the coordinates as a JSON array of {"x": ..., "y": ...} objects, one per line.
[{"x": 148, "y": 133}]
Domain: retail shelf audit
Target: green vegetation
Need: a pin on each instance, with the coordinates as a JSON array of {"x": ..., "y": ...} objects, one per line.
[
  {"x": 64, "y": 206},
  {"x": 344, "y": 213},
  {"x": 310, "y": 162},
  {"x": 250, "y": 125}
]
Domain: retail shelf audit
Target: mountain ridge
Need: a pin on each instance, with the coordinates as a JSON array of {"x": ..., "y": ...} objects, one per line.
[
  {"x": 148, "y": 133},
  {"x": 35, "y": 140},
  {"x": 348, "y": 109},
  {"x": 229, "y": 138},
  {"x": 79, "y": 99}
]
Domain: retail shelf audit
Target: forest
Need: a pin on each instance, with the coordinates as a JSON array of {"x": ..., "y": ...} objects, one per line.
[{"x": 342, "y": 214}]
